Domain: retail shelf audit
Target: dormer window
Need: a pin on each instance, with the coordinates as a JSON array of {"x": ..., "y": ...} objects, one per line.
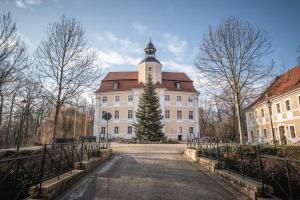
[
  {"x": 178, "y": 85},
  {"x": 116, "y": 85}
]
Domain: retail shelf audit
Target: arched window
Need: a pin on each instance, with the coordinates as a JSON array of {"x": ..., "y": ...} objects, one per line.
[
  {"x": 178, "y": 85},
  {"x": 116, "y": 85}
]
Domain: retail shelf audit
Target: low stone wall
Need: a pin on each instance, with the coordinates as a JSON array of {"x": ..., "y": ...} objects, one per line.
[
  {"x": 192, "y": 154},
  {"x": 93, "y": 162},
  {"x": 252, "y": 189},
  {"x": 54, "y": 187}
]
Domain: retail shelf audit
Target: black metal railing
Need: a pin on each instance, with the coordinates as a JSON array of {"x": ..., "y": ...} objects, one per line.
[
  {"x": 18, "y": 174},
  {"x": 280, "y": 177}
]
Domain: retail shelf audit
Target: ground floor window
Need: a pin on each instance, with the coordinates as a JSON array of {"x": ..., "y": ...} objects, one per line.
[
  {"x": 116, "y": 130},
  {"x": 191, "y": 130},
  {"x": 265, "y": 133},
  {"x": 129, "y": 129},
  {"x": 103, "y": 129},
  {"x": 292, "y": 131}
]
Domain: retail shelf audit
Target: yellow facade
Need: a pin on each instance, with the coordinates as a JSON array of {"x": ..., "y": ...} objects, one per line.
[{"x": 285, "y": 113}]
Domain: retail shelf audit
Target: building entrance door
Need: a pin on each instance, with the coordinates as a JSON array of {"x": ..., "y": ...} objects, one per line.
[
  {"x": 179, "y": 137},
  {"x": 282, "y": 135}
]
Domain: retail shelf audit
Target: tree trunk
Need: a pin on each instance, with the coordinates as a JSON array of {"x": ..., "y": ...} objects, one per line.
[
  {"x": 1, "y": 107},
  {"x": 57, "y": 108},
  {"x": 238, "y": 113}
]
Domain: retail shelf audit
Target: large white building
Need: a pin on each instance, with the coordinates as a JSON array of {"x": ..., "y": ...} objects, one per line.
[{"x": 119, "y": 94}]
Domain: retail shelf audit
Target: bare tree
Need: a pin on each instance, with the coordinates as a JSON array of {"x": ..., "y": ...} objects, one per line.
[
  {"x": 65, "y": 63},
  {"x": 231, "y": 56},
  {"x": 13, "y": 57}
]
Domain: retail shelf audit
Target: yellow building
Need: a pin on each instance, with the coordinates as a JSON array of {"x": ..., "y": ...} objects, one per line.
[
  {"x": 283, "y": 98},
  {"x": 120, "y": 92}
]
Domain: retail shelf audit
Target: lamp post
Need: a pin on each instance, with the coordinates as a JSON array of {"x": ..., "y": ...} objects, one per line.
[
  {"x": 23, "y": 106},
  {"x": 271, "y": 121}
]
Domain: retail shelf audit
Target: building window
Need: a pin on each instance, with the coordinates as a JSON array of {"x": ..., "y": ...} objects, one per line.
[
  {"x": 178, "y": 85},
  {"x": 130, "y": 98},
  {"x": 103, "y": 112},
  {"x": 292, "y": 131},
  {"x": 104, "y": 99},
  {"x": 299, "y": 101},
  {"x": 130, "y": 114},
  {"x": 167, "y": 114},
  {"x": 265, "y": 133},
  {"x": 167, "y": 97},
  {"x": 278, "y": 108},
  {"x": 287, "y": 105},
  {"x": 252, "y": 135},
  {"x": 117, "y": 114},
  {"x": 190, "y": 99},
  {"x": 257, "y": 133},
  {"x": 255, "y": 113},
  {"x": 116, "y": 130},
  {"x": 191, "y": 130},
  {"x": 250, "y": 115},
  {"x": 191, "y": 115},
  {"x": 102, "y": 130},
  {"x": 129, "y": 129},
  {"x": 262, "y": 113},
  {"x": 178, "y": 98},
  {"x": 116, "y": 85},
  {"x": 179, "y": 114},
  {"x": 117, "y": 98},
  {"x": 180, "y": 129},
  {"x": 149, "y": 68}
]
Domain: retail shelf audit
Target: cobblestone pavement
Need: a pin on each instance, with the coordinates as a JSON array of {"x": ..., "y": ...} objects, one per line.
[{"x": 151, "y": 171}]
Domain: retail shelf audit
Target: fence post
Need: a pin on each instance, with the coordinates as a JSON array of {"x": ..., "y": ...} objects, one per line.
[
  {"x": 42, "y": 171},
  {"x": 218, "y": 152},
  {"x": 260, "y": 169},
  {"x": 242, "y": 161},
  {"x": 81, "y": 152},
  {"x": 59, "y": 161},
  {"x": 288, "y": 176}
]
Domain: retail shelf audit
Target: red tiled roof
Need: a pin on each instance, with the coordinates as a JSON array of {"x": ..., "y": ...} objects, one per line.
[
  {"x": 286, "y": 82},
  {"x": 129, "y": 80}
]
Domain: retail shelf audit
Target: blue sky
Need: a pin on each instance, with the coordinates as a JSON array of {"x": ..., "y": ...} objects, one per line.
[{"x": 119, "y": 29}]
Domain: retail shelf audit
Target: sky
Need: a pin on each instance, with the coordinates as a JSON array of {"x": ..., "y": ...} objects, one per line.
[{"x": 119, "y": 29}]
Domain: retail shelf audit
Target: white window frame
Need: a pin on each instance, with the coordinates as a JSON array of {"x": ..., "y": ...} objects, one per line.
[
  {"x": 167, "y": 114},
  {"x": 290, "y": 105},
  {"x": 116, "y": 130},
  {"x": 292, "y": 125},
  {"x": 191, "y": 128},
  {"x": 117, "y": 116},
  {"x": 129, "y": 130},
  {"x": 191, "y": 115},
  {"x": 178, "y": 99},
  {"x": 265, "y": 133},
  {"x": 104, "y": 99},
  {"x": 179, "y": 114},
  {"x": 167, "y": 97},
  {"x": 262, "y": 112},
  {"x": 277, "y": 107},
  {"x": 117, "y": 98},
  {"x": 190, "y": 99},
  {"x": 130, "y": 98},
  {"x": 130, "y": 114}
]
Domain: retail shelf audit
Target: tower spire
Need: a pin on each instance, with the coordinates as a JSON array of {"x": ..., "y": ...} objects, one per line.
[{"x": 150, "y": 49}]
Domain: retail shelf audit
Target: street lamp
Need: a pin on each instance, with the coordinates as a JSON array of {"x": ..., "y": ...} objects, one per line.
[
  {"x": 271, "y": 121},
  {"x": 23, "y": 106}
]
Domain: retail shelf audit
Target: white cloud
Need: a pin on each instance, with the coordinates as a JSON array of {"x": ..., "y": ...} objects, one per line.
[
  {"x": 123, "y": 44},
  {"x": 139, "y": 27},
  {"x": 110, "y": 57},
  {"x": 175, "y": 45},
  {"x": 27, "y": 3}
]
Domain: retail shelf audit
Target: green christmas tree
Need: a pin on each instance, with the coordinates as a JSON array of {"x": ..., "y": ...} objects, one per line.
[{"x": 149, "y": 126}]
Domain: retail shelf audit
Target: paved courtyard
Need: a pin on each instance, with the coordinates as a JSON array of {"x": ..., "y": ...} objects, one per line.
[{"x": 149, "y": 172}]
